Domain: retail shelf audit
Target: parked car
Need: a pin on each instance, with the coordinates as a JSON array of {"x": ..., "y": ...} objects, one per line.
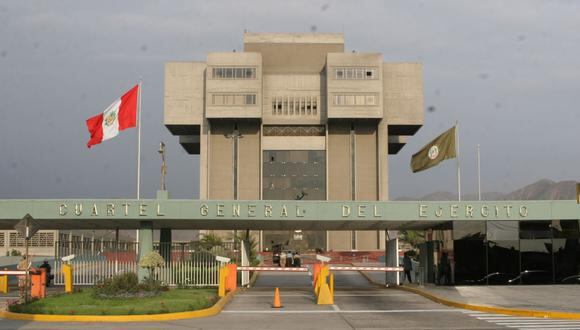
[
  {"x": 496, "y": 278},
  {"x": 574, "y": 279},
  {"x": 532, "y": 277}
]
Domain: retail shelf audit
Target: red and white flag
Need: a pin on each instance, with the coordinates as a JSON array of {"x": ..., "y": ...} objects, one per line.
[{"x": 118, "y": 116}]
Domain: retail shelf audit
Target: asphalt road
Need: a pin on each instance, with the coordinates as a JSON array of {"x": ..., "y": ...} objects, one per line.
[{"x": 358, "y": 305}]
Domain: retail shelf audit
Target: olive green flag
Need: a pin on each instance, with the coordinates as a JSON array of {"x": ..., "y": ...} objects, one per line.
[{"x": 436, "y": 151}]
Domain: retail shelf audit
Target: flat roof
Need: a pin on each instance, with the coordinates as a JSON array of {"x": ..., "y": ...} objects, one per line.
[
  {"x": 300, "y": 38},
  {"x": 273, "y": 215}
]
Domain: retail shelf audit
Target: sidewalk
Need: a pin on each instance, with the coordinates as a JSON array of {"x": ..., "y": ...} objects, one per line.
[
  {"x": 539, "y": 300},
  {"x": 556, "y": 298}
]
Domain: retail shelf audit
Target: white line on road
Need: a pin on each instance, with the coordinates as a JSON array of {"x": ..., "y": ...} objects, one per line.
[
  {"x": 543, "y": 326},
  {"x": 500, "y": 318},
  {"x": 341, "y": 311},
  {"x": 336, "y": 308},
  {"x": 374, "y": 295},
  {"x": 548, "y": 321},
  {"x": 272, "y": 295},
  {"x": 568, "y": 324}
]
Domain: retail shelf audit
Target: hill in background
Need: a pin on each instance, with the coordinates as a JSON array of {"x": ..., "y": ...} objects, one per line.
[{"x": 541, "y": 190}]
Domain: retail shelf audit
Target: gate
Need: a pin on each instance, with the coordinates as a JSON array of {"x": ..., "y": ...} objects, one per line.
[{"x": 187, "y": 264}]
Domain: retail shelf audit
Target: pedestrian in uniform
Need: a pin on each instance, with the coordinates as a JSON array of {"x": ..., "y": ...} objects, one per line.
[
  {"x": 282, "y": 259},
  {"x": 297, "y": 260},
  {"x": 443, "y": 270},
  {"x": 289, "y": 260},
  {"x": 407, "y": 266},
  {"x": 22, "y": 265}
]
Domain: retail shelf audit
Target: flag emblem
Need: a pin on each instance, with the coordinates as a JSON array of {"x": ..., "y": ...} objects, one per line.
[
  {"x": 110, "y": 118},
  {"x": 436, "y": 151},
  {"x": 433, "y": 152}
]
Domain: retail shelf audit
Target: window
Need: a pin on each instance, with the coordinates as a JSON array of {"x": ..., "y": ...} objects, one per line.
[
  {"x": 40, "y": 239},
  {"x": 293, "y": 130},
  {"x": 234, "y": 99},
  {"x": 355, "y": 99},
  {"x": 355, "y": 73},
  {"x": 233, "y": 73},
  {"x": 295, "y": 105}
]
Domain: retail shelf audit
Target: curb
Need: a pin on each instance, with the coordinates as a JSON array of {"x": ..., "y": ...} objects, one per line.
[
  {"x": 213, "y": 310},
  {"x": 484, "y": 308},
  {"x": 497, "y": 310}
]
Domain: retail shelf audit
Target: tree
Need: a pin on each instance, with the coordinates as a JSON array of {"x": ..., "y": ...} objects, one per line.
[
  {"x": 151, "y": 261},
  {"x": 208, "y": 241},
  {"x": 413, "y": 237}
]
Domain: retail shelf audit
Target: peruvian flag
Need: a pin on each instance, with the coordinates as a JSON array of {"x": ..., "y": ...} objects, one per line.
[{"x": 118, "y": 116}]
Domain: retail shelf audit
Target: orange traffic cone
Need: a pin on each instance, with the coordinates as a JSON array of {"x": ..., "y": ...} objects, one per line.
[{"x": 277, "y": 303}]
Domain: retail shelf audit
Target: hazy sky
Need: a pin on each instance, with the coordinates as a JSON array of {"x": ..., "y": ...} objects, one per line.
[{"x": 509, "y": 71}]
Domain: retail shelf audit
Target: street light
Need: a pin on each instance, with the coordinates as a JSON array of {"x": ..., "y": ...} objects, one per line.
[
  {"x": 161, "y": 151},
  {"x": 235, "y": 136}
]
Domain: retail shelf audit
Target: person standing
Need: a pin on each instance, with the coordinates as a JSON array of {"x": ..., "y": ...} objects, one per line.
[
  {"x": 443, "y": 269},
  {"x": 282, "y": 259},
  {"x": 22, "y": 285},
  {"x": 407, "y": 267},
  {"x": 47, "y": 267},
  {"x": 289, "y": 259}
]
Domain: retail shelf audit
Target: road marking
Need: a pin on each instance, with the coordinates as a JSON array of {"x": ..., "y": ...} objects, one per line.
[
  {"x": 340, "y": 311},
  {"x": 336, "y": 308},
  {"x": 525, "y": 323},
  {"x": 272, "y": 295},
  {"x": 374, "y": 295},
  {"x": 520, "y": 325}
]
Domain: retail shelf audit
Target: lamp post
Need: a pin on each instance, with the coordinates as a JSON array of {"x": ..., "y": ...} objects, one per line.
[
  {"x": 235, "y": 136},
  {"x": 161, "y": 151}
]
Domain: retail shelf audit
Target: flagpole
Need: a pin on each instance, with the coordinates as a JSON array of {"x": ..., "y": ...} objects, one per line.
[
  {"x": 457, "y": 157},
  {"x": 138, "y": 153},
  {"x": 478, "y": 174},
  {"x": 139, "y": 141}
]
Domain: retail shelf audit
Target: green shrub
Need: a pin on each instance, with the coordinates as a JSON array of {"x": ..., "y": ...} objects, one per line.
[
  {"x": 127, "y": 285},
  {"x": 118, "y": 285}
]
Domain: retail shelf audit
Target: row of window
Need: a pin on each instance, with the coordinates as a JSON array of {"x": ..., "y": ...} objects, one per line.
[
  {"x": 295, "y": 105},
  {"x": 38, "y": 240},
  {"x": 342, "y": 73},
  {"x": 355, "y": 73},
  {"x": 233, "y": 99},
  {"x": 233, "y": 73},
  {"x": 355, "y": 99},
  {"x": 294, "y": 130}
]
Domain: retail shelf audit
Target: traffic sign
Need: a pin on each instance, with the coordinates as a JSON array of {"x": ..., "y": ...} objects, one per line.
[{"x": 27, "y": 227}]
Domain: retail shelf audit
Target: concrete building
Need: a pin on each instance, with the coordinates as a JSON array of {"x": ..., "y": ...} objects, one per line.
[{"x": 295, "y": 117}]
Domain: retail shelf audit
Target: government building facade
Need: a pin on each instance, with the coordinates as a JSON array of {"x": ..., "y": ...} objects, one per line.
[{"x": 295, "y": 117}]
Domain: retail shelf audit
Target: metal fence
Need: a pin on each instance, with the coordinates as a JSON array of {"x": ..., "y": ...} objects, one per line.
[{"x": 187, "y": 264}]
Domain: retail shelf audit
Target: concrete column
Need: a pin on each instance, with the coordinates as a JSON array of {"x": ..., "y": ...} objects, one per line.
[
  {"x": 145, "y": 244},
  {"x": 165, "y": 244},
  {"x": 164, "y": 233}
]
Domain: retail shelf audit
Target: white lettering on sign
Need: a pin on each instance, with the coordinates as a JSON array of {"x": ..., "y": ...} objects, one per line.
[
  {"x": 345, "y": 211},
  {"x": 204, "y": 210},
  {"x": 62, "y": 209},
  {"x": 469, "y": 211}
]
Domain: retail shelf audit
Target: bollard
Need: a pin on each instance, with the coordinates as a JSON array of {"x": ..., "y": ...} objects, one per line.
[
  {"x": 321, "y": 279},
  {"x": 315, "y": 273},
  {"x": 332, "y": 285},
  {"x": 68, "y": 277},
  {"x": 222, "y": 281},
  {"x": 325, "y": 293},
  {"x": 38, "y": 283},
  {"x": 4, "y": 283},
  {"x": 232, "y": 278}
]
